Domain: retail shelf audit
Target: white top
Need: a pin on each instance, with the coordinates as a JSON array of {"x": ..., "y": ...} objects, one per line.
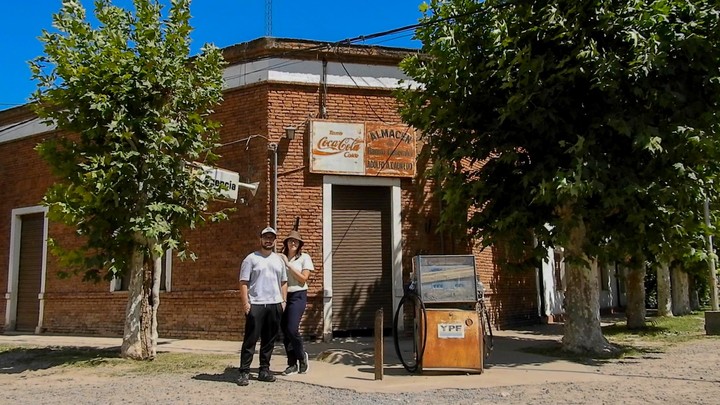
[
  {"x": 303, "y": 262},
  {"x": 265, "y": 275}
]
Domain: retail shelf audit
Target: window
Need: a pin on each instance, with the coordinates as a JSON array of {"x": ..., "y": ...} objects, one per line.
[{"x": 123, "y": 283}]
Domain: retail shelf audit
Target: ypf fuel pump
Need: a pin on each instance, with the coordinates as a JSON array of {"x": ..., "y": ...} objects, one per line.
[{"x": 447, "y": 311}]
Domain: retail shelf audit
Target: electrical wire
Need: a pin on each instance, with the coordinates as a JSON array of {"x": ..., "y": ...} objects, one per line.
[
  {"x": 364, "y": 97},
  {"x": 326, "y": 45},
  {"x": 347, "y": 41},
  {"x": 350, "y": 41},
  {"x": 393, "y": 38}
]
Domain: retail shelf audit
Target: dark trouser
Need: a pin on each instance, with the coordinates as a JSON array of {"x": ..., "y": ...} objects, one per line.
[
  {"x": 296, "y": 303},
  {"x": 262, "y": 322}
]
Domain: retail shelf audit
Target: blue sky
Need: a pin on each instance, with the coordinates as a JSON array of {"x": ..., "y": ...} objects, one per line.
[{"x": 222, "y": 22}]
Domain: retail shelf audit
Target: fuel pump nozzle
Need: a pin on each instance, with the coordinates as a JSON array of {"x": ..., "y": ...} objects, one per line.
[{"x": 483, "y": 312}]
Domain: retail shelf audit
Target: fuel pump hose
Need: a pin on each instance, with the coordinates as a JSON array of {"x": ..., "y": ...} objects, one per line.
[{"x": 413, "y": 297}]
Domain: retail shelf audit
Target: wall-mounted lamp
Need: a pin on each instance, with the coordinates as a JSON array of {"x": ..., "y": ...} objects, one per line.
[{"x": 290, "y": 132}]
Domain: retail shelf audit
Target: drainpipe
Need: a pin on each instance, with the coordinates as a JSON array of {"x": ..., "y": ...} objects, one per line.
[
  {"x": 273, "y": 148},
  {"x": 323, "y": 92}
]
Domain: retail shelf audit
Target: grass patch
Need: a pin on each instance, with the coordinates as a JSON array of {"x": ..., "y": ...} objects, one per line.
[
  {"x": 659, "y": 333},
  {"x": 182, "y": 362},
  {"x": 16, "y": 359},
  {"x": 45, "y": 357}
]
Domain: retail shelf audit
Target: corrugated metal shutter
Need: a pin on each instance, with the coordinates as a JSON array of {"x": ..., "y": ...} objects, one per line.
[
  {"x": 30, "y": 272},
  {"x": 361, "y": 264}
]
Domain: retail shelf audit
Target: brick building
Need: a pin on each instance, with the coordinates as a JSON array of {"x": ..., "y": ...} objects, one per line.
[{"x": 364, "y": 212}]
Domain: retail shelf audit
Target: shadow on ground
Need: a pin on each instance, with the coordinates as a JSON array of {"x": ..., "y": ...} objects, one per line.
[
  {"x": 21, "y": 359},
  {"x": 229, "y": 375},
  {"x": 508, "y": 351}
]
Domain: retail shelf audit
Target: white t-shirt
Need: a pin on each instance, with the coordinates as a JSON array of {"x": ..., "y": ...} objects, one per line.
[
  {"x": 265, "y": 276},
  {"x": 303, "y": 262}
]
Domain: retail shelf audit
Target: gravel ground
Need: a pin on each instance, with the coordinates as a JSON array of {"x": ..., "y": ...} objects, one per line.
[{"x": 688, "y": 373}]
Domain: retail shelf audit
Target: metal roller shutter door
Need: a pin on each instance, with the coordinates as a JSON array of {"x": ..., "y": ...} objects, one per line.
[
  {"x": 30, "y": 272},
  {"x": 361, "y": 266}
]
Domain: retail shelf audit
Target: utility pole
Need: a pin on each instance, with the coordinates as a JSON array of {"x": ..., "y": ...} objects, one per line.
[
  {"x": 712, "y": 277},
  {"x": 268, "y": 18}
]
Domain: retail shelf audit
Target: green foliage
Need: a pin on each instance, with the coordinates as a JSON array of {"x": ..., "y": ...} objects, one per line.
[
  {"x": 593, "y": 112},
  {"x": 133, "y": 110}
]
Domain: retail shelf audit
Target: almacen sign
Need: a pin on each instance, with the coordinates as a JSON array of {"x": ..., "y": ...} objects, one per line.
[{"x": 362, "y": 149}]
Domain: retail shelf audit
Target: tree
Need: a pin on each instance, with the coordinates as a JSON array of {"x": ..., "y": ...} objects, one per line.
[
  {"x": 587, "y": 124},
  {"x": 664, "y": 298},
  {"x": 134, "y": 109}
]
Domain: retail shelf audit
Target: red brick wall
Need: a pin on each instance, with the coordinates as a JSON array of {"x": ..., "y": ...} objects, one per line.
[
  {"x": 204, "y": 301},
  {"x": 22, "y": 183}
]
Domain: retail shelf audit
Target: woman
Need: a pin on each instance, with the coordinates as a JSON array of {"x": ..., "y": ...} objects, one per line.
[{"x": 299, "y": 266}]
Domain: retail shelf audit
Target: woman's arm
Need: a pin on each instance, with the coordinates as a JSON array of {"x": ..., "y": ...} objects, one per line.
[{"x": 301, "y": 275}]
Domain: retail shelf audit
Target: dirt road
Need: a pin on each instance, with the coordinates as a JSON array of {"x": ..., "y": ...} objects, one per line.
[{"x": 688, "y": 373}]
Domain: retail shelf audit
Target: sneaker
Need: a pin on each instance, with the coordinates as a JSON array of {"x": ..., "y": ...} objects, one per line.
[
  {"x": 244, "y": 379},
  {"x": 291, "y": 370},
  {"x": 266, "y": 375},
  {"x": 305, "y": 364}
]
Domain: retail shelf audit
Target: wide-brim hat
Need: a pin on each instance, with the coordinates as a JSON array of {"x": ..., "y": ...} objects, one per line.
[{"x": 294, "y": 235}]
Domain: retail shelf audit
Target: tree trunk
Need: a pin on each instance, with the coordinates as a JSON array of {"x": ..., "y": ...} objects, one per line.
[
  {"x": 582, "y": 301},
  {"x": 680, "y": 291},
  {"x": 693, "y": 296},
  {"x": 663, "y": 290},
  {"x": 635, "y": 283},
  {"x": 155, "y": 300},
  {"x": 137, "y": 337}
]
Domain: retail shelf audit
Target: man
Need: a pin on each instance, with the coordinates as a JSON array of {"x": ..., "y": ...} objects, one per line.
[{"x": 263, "y": 291}]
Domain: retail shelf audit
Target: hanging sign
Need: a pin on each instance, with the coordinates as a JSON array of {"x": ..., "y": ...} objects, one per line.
[
  {"x": 390, "y": 150},
  {"x": 337, "y": 147},
  {"x": 228, "y": 179},
  {"x": 362, "y": 149}
]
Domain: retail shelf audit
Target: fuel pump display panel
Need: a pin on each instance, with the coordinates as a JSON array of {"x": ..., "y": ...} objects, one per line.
[{"x": 446, "y": 279}]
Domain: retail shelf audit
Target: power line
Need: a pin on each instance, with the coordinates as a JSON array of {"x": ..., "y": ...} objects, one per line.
[
  {"x": 393, "y": 38},
  {"x": 330, "y": 45},
  {"x": 364, "y": 97},
  {"x": 350, "y": 41}
]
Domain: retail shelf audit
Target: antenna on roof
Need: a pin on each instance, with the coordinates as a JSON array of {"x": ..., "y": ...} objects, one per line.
[{"x": 268, "y": 18}]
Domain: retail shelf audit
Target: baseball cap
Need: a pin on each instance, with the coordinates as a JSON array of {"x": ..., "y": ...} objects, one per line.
[{"x": 268, "y": 230}]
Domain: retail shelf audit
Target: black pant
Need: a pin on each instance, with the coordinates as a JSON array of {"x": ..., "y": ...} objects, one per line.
[
  {"x": 262, "y": 322},
  {"x": 296, "y": 303}
]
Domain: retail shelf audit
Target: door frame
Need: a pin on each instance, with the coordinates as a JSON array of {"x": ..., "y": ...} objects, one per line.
[
  {"x": 14, "y": 266},
  {"x": 395, "y": 232}
]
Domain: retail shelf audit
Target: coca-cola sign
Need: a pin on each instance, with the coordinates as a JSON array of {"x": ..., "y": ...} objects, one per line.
[
  {"x": 337, "y": 147},
  {"x": 347, "y": 146},
  {"x": 365, "y": 149}
]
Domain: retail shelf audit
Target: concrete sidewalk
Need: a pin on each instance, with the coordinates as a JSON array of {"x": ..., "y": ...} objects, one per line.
[{"x": 349, "y": 362}]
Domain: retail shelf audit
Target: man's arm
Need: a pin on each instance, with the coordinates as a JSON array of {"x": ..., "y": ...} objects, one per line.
[{"x": 244, "y": 299}]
